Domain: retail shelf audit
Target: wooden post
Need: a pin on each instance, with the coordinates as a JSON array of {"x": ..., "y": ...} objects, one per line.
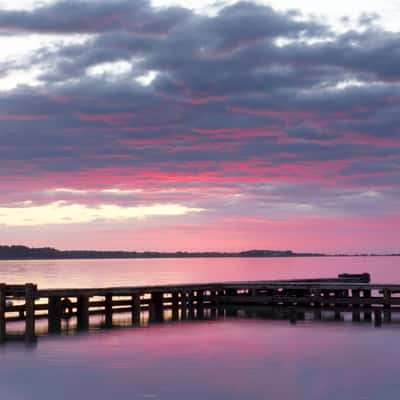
[
  {"x": 293, "y": 315},
  {"x": 83, "y": 312},
  {"x": 2, "y": 312},
  {"x": 387, "y": 316},
  {"x": 191, "y": 305},
  {"x": 213, "y": 312},
  {"x": 183, "y": 305},
  {"x": 54, "y": 314},
  {"x": 355, "y": 294},
  {"x": 108, "y": 309},
  {"x": 136, "y": 310},
  {"x": 30, "y": 294},
  {"x": 387, "y": 294},
  {"x": 377, "y": 318},
  {"x": 368, "y": 316},
  {"x": 175, "y": 306},
  {"x": 215, "y": 296},
  {"x": 200, "y": 304},
  {"x": 157, "y": 310},
  {"x": 317, "y": 297},
  {"x": 356, "y": 316}
]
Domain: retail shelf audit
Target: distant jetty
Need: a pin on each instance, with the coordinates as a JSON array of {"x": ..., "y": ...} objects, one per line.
[{"x": 48, "y": 253}]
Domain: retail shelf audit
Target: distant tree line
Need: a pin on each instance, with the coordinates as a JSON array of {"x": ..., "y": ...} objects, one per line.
[{"x": 24, "y": 252}]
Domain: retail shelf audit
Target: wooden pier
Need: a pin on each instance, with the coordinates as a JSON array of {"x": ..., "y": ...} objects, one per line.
[{"x": 29, "y": 303}]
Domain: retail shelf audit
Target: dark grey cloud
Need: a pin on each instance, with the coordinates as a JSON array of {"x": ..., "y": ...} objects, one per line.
[
  {"x": 80, "y": 16},
  {"x": 229, "y": 102}
]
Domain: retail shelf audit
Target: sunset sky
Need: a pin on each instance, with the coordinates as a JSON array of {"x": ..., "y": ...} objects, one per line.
[{"x": 200, "y": 125}]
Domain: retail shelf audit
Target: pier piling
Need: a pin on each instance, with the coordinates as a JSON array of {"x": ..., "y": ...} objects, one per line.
[
  {"x": 135, "y": 304},
  {"x": 54, "y": 314},
  {"x": 157, "y": 310},
  {"x": 83, "y": 312},
  {"x": 108, "y": 308},
  {"x": 30, "y": 294},
  {"x": 196, "y": 301}
]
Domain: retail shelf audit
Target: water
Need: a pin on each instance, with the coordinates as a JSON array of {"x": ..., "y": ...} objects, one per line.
[
  {"x": 249, "y": 356},
  {"x": 104, "y": 273}
]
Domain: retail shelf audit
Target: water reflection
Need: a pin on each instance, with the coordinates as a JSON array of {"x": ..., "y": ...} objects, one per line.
[
  {"x": 145, "y": 272},
  {"x": 374, "y": 317},
  {"x": 230, "y": 353}
]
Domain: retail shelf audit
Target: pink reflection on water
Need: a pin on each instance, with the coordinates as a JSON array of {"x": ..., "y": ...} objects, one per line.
[
  {"x": 231, "y": 359},
  {"x": 100, "y": 273}
]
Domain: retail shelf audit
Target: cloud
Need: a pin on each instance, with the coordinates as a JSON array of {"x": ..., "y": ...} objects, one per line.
[
  {"x": 201, "y": 110},
  {"x": 69, "y": 213}
]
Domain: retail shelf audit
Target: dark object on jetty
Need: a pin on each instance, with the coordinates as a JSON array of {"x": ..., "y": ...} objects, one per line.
[
  {"x": 364, "y": 278},
  {"x": 348, "y": 291}
]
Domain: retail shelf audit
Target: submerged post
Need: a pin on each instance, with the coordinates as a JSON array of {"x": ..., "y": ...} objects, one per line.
[
  {"x": 2, "y": 312},
  {"x": 30, "y": 294}
]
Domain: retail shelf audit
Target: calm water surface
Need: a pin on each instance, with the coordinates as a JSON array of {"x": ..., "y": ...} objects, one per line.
[
  {"x": 100, "y": 273},
  {"x": 229, "y": 358}
]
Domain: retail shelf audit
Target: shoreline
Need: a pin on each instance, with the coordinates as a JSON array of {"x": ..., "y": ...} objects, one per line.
[{"x": 189, "y": 257}]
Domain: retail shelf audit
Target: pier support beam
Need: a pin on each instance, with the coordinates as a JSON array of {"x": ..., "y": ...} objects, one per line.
[
  {"x": 136, "y": 310},
  {"x": 377, "y": 318},
  {"x": 108, "y": 309},
  {"x": 191, "y": 305},
  {"x": 356, "y": 316},
  {"x": 157, "y": 310},
  {"x": 355, "y": 294},
  {"x": 317, "y": 298},
  {"x": 183, "y": 305},
  {"x": 387, "y": 316},
  {"x": 213, "y": 312},
  {"x": 175, "y": 306},
  {"x": 200, "y": 304},
  {"x": 367, "y": 316},
  {"x": 2, "y": 312},
  {"x": 30, "y": 294},
  {"x": 83, "y": 312},
  {"x": 55, "y": 313},
  {"x": 387, "y": 294}
]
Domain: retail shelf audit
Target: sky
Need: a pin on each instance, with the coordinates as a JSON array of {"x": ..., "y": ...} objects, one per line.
[{"x": 200, "y": 125}]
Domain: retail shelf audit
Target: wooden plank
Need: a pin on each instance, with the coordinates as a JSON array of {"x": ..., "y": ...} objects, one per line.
[{"x": 128, "y": 291}]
